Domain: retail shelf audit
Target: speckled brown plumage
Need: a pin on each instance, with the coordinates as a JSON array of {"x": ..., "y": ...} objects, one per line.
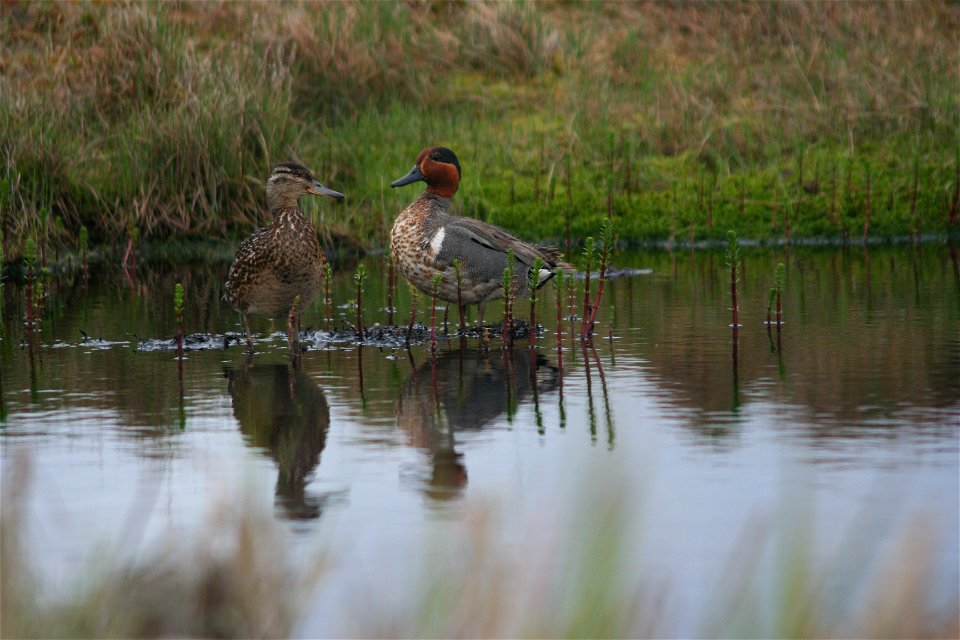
[
  {"x": 426, "y": 239},
  {"x": 283, "y": 260}
]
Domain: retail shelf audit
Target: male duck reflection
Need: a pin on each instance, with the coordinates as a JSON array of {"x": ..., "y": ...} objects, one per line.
[
  {"x": 284, "y": 259},
  {"x": 426, "y": 239},
  {"x": 462, "y": 391},
  {"x": 283, "y": 412}
]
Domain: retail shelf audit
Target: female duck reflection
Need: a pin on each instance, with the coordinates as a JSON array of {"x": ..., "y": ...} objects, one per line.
[
  {"x": 459, "y": 391},
  {"x": 281, "y": 410}
]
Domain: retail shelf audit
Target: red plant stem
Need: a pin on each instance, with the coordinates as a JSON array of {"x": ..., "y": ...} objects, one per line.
[
  {"x": 733, "y": 295},
  {"x": 30, "y": 311},
  {"x": 179, "y": 335},
  {"x": 954, "y": 217},
  {"x": 326, "y": 302},
  {"x": 560, "y": 329},
  {"x": 600, "y": 282},
  {"x": 778, "y": 308},
  {"x": 390, "y": 291},
  {"x": 461, "y": 309},
  {"x": 433, "y": 323},
  {"x": 126, "y": 254},
  {"x": 866, "y": 220},
  {"x": 359, "y": 312},
  {"x": 533, "y": 318},
  {"x": 586, "y": 303},
  {"x": 413, "y": 316},
  {"x": 913, "y": 198},
  {"x": 507, "y": 322},
  {"x": 833, "y": 195}
]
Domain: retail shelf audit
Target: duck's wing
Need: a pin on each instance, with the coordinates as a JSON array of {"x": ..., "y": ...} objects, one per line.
[
  {"x": 499, "y": 240},
  {"x": 250, "y": 257},
  {"x": 483, "y": 249}
]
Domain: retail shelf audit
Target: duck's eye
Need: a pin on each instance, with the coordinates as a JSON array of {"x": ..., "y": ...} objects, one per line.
[{"x": 436, "y": 155}]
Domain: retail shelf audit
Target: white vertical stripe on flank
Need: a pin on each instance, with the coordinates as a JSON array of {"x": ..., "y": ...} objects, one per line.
[{"x": 437, "y": 241}]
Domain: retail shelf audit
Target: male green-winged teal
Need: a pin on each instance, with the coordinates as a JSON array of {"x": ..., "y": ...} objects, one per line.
[
  {"x": 426, "y": 239},
  {"x": 284, "y": 259}
]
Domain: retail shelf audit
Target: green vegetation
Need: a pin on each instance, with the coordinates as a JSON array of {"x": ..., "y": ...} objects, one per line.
[{"x": 768, "y": 118}]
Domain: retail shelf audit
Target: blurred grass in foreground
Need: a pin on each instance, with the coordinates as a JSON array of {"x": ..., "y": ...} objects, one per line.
[
  {"x": 485, "y": 581},
  {"x": 682, "y": 119}
]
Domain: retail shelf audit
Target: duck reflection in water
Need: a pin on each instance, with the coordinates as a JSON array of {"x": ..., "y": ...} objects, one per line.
[
  {"x": 464, "y": 391},
  {"x": 284, "y": 413}
]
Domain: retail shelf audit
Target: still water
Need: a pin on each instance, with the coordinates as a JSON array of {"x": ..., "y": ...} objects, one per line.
[{"x": 846, "y": 424}]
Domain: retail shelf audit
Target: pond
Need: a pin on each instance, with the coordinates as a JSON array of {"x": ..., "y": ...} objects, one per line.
[{"x": 842, "y": 430}]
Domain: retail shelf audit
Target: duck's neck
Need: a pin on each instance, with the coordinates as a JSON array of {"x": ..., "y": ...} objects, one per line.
[
  {"x": 443, "y": 191},
  {"x": 431, "y": 195},
  {"x": 283, "y": 205}
]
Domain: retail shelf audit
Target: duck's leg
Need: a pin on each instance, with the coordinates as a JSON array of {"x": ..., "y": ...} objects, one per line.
[
  {"x": 246, "y": 328},
  {"x": 293, "y": 336}
]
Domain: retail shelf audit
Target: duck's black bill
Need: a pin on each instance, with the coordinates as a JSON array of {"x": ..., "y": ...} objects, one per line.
[
  {"x": 414, "y": 175},
  {"x": 318, "y": 189}
]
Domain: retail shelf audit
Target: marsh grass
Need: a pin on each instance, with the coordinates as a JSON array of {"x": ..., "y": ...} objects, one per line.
[{"x": 173, "y": 113}]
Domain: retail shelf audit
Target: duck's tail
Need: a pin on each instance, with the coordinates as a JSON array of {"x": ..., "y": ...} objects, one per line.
[
  {"x": 553, "y": 258},
  {"x": 553, "y": 262}
]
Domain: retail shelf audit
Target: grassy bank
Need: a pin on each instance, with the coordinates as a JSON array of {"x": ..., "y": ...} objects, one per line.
[{"x": 771, "y": 119}]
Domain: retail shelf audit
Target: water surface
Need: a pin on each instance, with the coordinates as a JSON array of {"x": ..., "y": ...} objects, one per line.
[{"x": 846, "y": 422}]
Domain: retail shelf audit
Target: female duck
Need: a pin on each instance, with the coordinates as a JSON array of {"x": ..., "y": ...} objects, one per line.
[
  {"x": 426, "y": 239},
  {"x": 283, "y": 260}
]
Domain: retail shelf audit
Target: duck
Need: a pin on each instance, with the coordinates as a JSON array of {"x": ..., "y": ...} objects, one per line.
[
  {"x": 426, "y": 239},
  {"x": 282, "y": 260}
]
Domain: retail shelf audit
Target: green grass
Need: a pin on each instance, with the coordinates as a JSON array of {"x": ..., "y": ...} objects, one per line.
[{"x": 670, "y": 117}]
